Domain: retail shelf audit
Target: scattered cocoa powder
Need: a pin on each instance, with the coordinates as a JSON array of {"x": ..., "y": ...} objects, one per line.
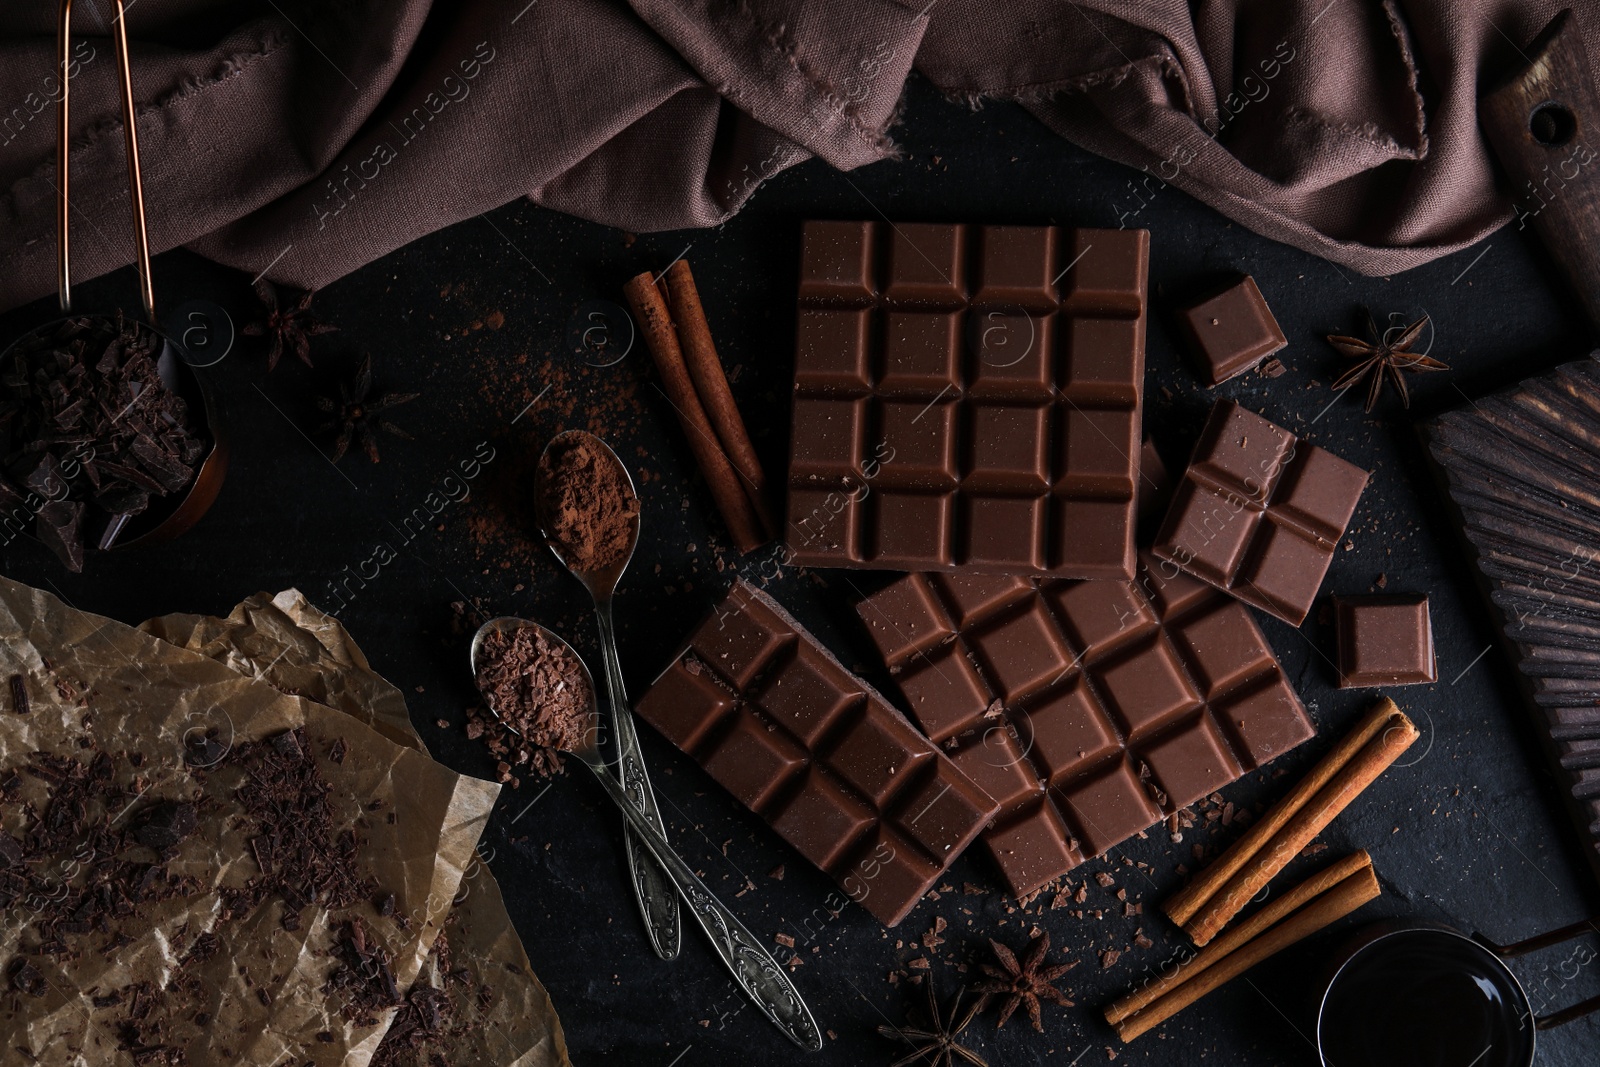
[
  {"x": 540, "y": 690},
  {"x": 589, "y": 509}
]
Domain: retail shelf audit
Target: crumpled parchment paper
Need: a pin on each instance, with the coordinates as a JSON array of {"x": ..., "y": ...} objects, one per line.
[
  {"x": 289, "y": 644},
  {"x": 260, "y": 1000}
]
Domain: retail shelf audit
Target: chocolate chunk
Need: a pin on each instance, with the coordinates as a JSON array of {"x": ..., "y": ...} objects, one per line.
[
  {"x": 959, "y": 406},
  {"x": 203, "y": 750},
  {"x": 19, "y": 695},
  {"x": 1384, "y": 640},
  {"x": 11, "y": 851},
  {"x": 25, "y": 978},
  {"x": 1259, "y": 512},
  {"x": 166, "y": 824},
  {"x": 819, "y": 754},
  {"x": 1123, "y": 702},
  {"x": 86, "y": 422},
  {"x": 1231, "y": 332},
  {"x": 59, "y": 527}
]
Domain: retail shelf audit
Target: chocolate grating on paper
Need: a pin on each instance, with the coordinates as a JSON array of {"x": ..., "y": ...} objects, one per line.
[
  {"x": 87, "y": 811},
  {"x": 968, "y": 398},
  {"x": 1087, "y": 710},
  {"x": 89, "y": 434},
  {"x": 300, "y": 858}
]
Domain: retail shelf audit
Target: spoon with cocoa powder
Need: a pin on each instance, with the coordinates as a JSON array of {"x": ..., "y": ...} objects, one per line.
[
  {"x": 540, "y": 688},
  {"x": 589, "y": 515}
]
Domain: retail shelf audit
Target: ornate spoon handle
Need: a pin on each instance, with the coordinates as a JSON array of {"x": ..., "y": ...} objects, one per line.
[
  {"x": 651, "y": 886},
  {"x": 753, "y": 967}
]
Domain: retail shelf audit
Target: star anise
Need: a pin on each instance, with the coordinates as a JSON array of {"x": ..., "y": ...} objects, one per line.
[
  {"x": 937, "y": 1045},
  {"x": 358, "y": 415},
  {"x": 1382, "y": 358},
  {"x": 1022, "y": 982},
  {"x": 290, "y": 325}
]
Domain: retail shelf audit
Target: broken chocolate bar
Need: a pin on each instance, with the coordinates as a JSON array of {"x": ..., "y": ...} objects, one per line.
[
  {"x": 1259, "y": 512},
  {"x": 1087, "y": 710},
  {"x": 818, "y": 753}
]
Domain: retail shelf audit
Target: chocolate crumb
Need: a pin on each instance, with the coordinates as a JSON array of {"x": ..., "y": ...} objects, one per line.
[{"x": 542, "y": 693}]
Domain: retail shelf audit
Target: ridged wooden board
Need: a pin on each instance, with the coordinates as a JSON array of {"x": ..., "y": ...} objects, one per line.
[{"x": 1523, "y": 469}]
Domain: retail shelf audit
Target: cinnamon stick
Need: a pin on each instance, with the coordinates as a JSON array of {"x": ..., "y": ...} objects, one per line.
[
  {"x": 711, "y": 383},
  {"x": 1289, "y": 826},
  {"x": 1263, "y": 920},
  {"x": 644, "y": 299},
  {"x": 1328, "y": 907}
]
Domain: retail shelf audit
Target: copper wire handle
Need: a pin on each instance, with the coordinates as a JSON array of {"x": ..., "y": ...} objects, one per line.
[{"x": 141, "y": 237}]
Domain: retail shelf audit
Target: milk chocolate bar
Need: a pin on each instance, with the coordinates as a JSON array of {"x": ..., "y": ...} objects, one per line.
[
  {"x": 822, "y": 756},
  {"x": 1087, "y": 710},
  {"x": 1259, "y": 512},
  {"x": 967, "y": 398}
]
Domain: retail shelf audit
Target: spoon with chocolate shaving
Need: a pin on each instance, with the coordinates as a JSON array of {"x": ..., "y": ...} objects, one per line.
[
  {"x": 534, "y": 681},
  {"x": 588, "y": 513}
]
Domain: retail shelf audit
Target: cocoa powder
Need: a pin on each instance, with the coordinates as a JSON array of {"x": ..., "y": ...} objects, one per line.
[{"x": 589, "y": 509}]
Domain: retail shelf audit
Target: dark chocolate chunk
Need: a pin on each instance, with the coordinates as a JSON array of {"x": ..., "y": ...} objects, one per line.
[
  {"x": 25, "y": 978},
  {"x": 1384, "y": 640},
  {"x": 1259, "y": 512},
  {"x": 59, "y": 527},
  {"x": 1231, "y": 332},
  {"x": 820, "y": 755},
  {"x": 1087, "y": 710},
  {"x": 166, "y": 824},
  {"x": 87, "y": 424},
  {"x": 958, "y": 406},
  {"x": 19, "y": 695}
]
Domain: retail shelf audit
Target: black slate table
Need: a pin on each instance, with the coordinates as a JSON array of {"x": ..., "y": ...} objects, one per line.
[{"x": 1467, "y": 831}]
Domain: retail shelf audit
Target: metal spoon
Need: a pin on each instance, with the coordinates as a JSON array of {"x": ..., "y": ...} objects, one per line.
[
  {"x": 658, "y": 904},
  {"x": 753, "y": 967}
]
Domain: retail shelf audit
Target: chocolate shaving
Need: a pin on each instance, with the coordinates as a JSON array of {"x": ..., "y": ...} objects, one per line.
[
  {"x": 301, "y": 858},
  {"x": 19, "y": 695},
  {"x": 89, "y": 433}
]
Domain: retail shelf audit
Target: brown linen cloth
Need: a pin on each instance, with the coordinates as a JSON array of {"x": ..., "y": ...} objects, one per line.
[{"x": 308, "y": 138}]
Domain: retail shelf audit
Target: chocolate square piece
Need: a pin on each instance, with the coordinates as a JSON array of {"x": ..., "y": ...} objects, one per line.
[
  {"x": 1087, "y": 710},
  {"x": 1231, "y": 332},
  {"x": 1259, "y": 512},
  {"x": 838, "y": 772},
  {"x": 978, "y": 363},
  {"x": 1384, "y": 640}
]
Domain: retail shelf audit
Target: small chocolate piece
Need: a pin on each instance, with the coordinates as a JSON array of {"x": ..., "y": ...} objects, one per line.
[
  {"x": 166, "y": 824},
  {"x": 1384, "y": 640},
  {"x": 1259, "y": 513},
  {"x": 968, "y": 398},
  {"x": 818, "y": 753},
  {"x": 19, "y": 695},
  {"x": 1088, "y": 710},
  {"x": 25, "y": 978},
  {"x": 1231, "y": 332}
]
